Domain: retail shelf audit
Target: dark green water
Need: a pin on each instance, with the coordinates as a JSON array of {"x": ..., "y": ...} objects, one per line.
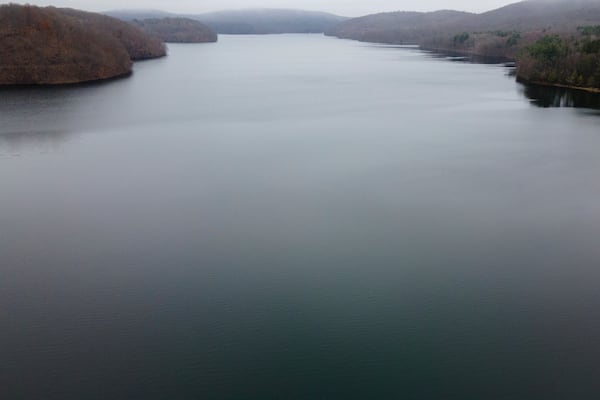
[{"x": 299, "y": 217}]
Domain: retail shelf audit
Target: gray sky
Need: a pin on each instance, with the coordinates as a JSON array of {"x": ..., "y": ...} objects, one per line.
[{"x": 343, "y": 7}]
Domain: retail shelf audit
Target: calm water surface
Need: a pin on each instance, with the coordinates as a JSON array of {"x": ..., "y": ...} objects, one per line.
[{"x": 299, "y": 217}]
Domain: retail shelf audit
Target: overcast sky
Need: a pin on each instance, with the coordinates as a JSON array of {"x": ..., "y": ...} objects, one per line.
[{"x": 342, "y": 7}]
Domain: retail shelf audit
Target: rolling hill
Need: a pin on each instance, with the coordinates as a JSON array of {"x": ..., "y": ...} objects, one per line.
[
  {"x": 419, "y": 28},
  {"x": 63, "y": 46},
  {"x": 401, "y": 27}
]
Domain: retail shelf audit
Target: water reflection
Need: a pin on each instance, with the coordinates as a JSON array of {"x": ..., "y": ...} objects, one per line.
[
  {"x": 547, "y": 96},
  {"x": 542, "y": 96},
  {"x": 471, "y": 59},
  {"x": 34, "y": 119},
  {"x": 42, "y": 118},
  {"x": 16, "y": 143}
]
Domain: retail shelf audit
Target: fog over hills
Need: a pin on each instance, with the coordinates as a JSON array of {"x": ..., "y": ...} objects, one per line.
[
  {"x": 176, "y": 30},
  {"x": 249, "y": 21},
  {"x": 349, "y": 8},
  {"x": 130, "y": 15},
  {"x": 262, "y": 21},
  {"x": 391, "y": 27}
]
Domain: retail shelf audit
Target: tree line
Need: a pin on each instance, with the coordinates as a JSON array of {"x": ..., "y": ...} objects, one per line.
[{"x": 563, "y": 60}]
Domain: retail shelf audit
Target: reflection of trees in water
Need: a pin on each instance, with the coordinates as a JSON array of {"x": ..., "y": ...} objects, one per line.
[
  {"x": 469, "y": 59},
  {"x": 15, "y": 143},
  {"x": 542, "y": 96},
  {"x": 547, "y": 96},
  {"x": 41, "y": 118},
  {"x": 34, "y": 118}
]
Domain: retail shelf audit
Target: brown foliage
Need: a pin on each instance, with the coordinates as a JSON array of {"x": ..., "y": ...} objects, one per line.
[
  {"x": 138, "y": 44},
  {"x": 53, "y": 46}
]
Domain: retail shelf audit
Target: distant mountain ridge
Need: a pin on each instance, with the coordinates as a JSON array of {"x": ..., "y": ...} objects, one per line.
[
  {"x": 177, "y": 30},
  {"x": 130, "y": 15},
  {"x": 401, "y": 27},
  {"x": 248, "y": 21},
  {"x": 419, "y": 27},
  {"x": 265, "y": 21}
]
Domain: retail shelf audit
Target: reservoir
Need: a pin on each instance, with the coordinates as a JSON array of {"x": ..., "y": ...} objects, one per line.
[{"x": 299, "y": 217}]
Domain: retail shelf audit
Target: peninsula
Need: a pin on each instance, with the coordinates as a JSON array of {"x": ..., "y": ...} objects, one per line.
[{"x": 51, "y": 46}]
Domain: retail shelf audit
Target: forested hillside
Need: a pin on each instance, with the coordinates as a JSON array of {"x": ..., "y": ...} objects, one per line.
[
  {"x": 139, "y": 45},
  {"x": 61, "y": 46},
  {"x": 571, "y": 61},
  {"x": 443, "y": 26},
  {"x": 515, "y": 32},
  {"x": 401, "y": 27}
]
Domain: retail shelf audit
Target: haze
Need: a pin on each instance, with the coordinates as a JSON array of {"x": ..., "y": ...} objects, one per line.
[{"x": 341, "y": 7}]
